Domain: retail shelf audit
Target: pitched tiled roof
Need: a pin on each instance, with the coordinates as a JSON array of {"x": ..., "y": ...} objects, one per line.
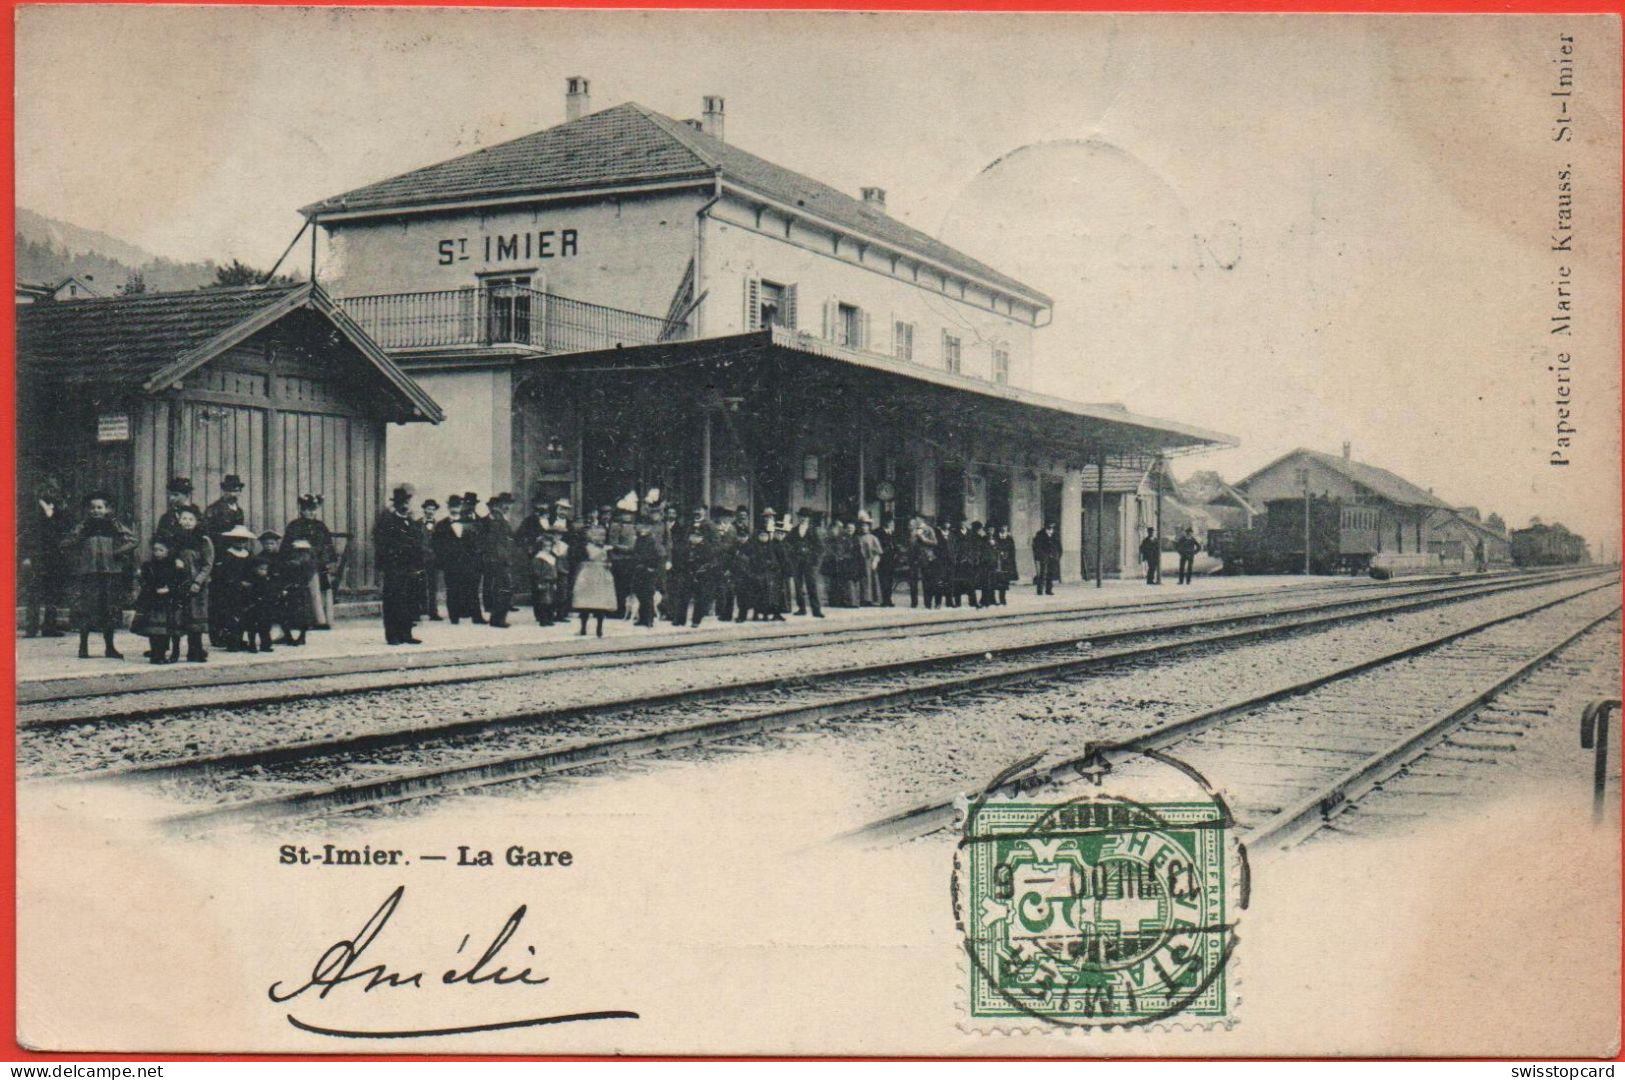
[
  {"x": 121, "y": 345},
  {"x": 630, "y": 144},
  {"x": 1379, "y": 482},
  {"x": 121, "y": 341}
]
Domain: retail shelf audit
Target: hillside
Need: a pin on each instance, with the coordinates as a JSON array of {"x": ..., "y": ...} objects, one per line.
[{"x": 48, "y": 250}]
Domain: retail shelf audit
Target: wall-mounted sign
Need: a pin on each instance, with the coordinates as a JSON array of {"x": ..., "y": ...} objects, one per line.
[
  {"x": 113, "y": 427},
  {"x": 509, "y": 247}
]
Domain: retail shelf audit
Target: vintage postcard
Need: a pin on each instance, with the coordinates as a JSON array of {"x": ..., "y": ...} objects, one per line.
[{"x": 697, "y": 533}]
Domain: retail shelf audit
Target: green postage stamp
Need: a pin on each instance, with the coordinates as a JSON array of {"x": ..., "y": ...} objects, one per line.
[{"x": 1098, "y": 912}]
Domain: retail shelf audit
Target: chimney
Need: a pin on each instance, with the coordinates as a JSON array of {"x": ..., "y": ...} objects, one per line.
[
  {"x": 1347, "y": 448},
  {"x": 874, "y": 197},
  {"x": 712, "y": 124},
  {"x": 577, "y": 99}
]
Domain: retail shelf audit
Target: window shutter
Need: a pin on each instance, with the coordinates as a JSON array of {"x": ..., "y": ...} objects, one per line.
[
  {"x": 829, "y": 320},
  {"x": 790, "y": 307},
  {"x": 863, "y": 330},
  {"x": 753, "y": 303}
]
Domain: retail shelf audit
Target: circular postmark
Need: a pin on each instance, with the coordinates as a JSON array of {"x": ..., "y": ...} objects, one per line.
[{"x": 1111, "y": 907}]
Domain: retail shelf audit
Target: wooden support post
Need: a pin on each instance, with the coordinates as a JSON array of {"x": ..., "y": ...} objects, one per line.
[
  {"x": 1100, "y": 514},
  {"x": 705, "y": 461}
]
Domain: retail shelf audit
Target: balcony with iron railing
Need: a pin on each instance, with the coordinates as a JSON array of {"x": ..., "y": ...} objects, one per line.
[{"x": 505, "y": 315}]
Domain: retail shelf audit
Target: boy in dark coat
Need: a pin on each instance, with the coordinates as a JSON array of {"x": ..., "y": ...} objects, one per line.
[
  {"x": 99, "y": 552},
  {"x": 265, "y": 604}
]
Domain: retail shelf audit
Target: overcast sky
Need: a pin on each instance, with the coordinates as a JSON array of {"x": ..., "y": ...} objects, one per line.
[{"x": 1298, "y": 230}]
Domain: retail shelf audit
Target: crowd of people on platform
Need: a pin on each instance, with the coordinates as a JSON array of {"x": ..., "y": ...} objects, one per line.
[
  {"x": 645, "y": 560},
  {"x": 206, "y": 574}
]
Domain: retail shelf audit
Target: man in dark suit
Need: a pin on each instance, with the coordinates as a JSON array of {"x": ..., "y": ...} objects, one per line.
[
  {"x": 807, "y": 555},
  {"x": 457, "y": 553},
  {"x": 399, "y": 543},
  {"x": 889, "y": 557},
  {"x": 497, "y": 559},
  {"x": 1151, "y": 555},
  {"x": 42, "y": 532},
  {"x": 1046, "y": 559},
  {"x": 431, "y": 590}
]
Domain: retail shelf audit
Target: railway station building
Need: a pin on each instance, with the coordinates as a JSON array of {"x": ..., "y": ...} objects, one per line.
[
  {"x": 628, "y": 301},
  {"x": 274, "y": 385}
]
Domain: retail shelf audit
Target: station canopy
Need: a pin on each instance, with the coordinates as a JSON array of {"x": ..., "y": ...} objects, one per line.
[{"x": 780, "y": 376}]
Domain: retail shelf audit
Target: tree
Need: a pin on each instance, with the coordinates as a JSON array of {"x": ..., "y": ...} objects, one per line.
[
  {"x": 134, "y": 285},
  {"x": 238, "y": 273},
  {"x": 1495, "y": 522}
]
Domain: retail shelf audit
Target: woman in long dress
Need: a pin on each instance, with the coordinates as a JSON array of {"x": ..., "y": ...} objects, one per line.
[
  {"x": 594, "y": 592},
  {"x": 324, "y": 555}
]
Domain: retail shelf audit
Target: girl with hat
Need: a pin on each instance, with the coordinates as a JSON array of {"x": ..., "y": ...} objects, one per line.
[
  {"x": 231, "y": 589},
  {"x": 157, "y": 604},
  {"x": 192, "y": 546},
  {"x": 292, "y": 575}
]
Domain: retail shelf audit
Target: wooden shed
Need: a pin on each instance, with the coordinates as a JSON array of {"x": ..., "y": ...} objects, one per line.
[{"x": 275, "y": 384}]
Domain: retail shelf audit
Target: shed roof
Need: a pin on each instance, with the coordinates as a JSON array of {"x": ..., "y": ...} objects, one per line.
[
  {"x": 149, "y": 342},
  {"x": 630, "y": 144},
  {"x": 1379, "y": 482}
]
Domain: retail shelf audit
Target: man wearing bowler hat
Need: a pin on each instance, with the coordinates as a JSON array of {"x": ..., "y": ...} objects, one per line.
[
  {"x": 457, "y": 552},
  {"x": 431, "y": 592},
  {"x": 400, "y": 562}
]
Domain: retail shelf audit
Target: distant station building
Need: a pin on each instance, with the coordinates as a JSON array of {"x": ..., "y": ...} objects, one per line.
[
  {"x": 1457, "y": 536},
  {"x": 1381, "y": 511},
  {"x": 1380, "y": 517},
  {"x": 273, "y": 384},
  {"x": 628, "y": 301}
]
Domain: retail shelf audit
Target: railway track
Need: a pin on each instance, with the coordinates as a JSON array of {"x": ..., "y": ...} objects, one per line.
[
  {"x": 1306, "y": 755},
  {"x": 45, "y": 705},
  {"x": 337, "y": 776}
]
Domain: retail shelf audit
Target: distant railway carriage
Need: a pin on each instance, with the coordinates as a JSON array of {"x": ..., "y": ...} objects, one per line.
[
  {"x": 1342, "y": 539},
  {"x": 1548, "y": 545}
]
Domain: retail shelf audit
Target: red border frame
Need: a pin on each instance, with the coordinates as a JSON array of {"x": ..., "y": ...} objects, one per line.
[{"x": 8, "y": 470}]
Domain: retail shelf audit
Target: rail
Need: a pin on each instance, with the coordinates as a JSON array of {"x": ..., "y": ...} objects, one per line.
[
  {"x": 1594, "y": 736},
  {"x": 503, "y": 315}
]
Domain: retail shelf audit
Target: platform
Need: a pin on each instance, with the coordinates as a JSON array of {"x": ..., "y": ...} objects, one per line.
[{"x": 49, "y": 667}]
